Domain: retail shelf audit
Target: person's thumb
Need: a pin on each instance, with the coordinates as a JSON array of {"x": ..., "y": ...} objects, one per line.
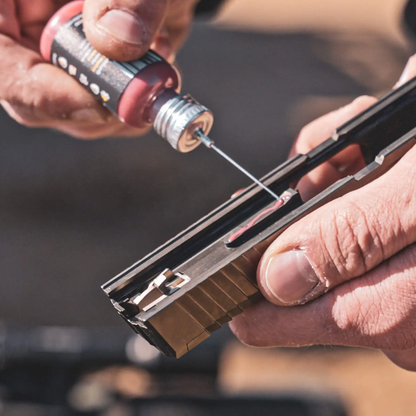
[
  {"x": 123, "y": 29},
  {"x": 342, "y": 240}
]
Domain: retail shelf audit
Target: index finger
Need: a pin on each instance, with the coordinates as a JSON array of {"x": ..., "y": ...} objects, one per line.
[{"x": 40, "y": 94}]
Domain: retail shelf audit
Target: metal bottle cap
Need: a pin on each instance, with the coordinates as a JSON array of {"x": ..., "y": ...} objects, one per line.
[{"x": 179, "y": 118}]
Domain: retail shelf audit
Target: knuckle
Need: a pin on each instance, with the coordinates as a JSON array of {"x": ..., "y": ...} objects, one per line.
[
  {"x": 46, "y": 108},
  {"x": 20, "y": 98},
  {"x": 20, "y": 114},
  {"x": 351, "y": 240},
  {"x": 31, "y": 107}
]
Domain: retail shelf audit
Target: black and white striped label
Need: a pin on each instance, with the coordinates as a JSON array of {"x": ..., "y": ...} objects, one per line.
[{"x": 103, "y": 77}]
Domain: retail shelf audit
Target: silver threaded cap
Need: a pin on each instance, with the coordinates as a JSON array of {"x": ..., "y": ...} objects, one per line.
[{"x": 179, "y": 118}]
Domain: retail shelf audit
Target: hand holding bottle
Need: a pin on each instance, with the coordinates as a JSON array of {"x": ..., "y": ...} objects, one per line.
[{"x": 37, "y": 94}]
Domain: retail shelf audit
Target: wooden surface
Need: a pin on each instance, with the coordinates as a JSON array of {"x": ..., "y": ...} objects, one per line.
[{"x": 367, "y": 382}]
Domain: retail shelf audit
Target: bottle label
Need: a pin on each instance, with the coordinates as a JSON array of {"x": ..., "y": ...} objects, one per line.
[{"x": 103, "y": 77}]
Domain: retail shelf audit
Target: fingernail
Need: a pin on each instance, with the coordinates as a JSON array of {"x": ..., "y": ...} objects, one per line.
[
  {"x": 290, "y": 277},
  {"x": 88, "y": 115},
  {"x": 123, "y": 26}
]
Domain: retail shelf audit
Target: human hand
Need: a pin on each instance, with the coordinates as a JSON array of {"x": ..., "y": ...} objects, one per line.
[
  {"x": 37, "y": 94},
  {"x": 358, "y": 251}
]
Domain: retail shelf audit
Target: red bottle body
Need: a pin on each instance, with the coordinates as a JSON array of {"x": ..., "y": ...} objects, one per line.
[{"x": 134, "y": 106}]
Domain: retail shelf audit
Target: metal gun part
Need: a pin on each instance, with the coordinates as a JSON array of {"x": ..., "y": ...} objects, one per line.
[{"x": 178, "y": 295}]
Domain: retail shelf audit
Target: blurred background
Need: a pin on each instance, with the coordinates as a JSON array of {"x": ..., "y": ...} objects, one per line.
[{"x": 73, "y": 214}]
